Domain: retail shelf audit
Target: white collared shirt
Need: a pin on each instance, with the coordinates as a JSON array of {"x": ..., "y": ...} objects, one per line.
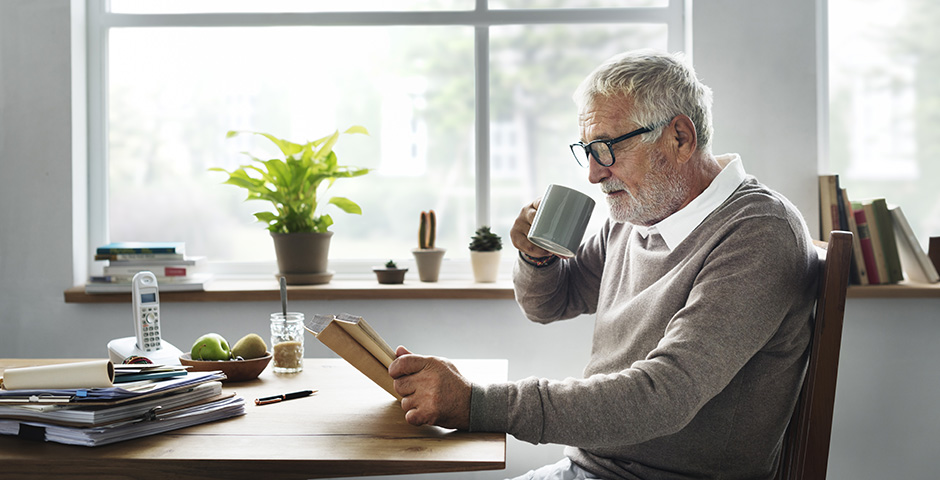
[{"x": 676, "y": 227}]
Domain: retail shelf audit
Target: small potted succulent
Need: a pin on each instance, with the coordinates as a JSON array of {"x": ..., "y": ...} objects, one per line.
[
  {"x": 390, "y": 274},
  {"x": 427, "y": 256},
  {"x": 484, "y": 255}
]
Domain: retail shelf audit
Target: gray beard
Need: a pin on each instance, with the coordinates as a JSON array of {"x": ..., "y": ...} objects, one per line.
[{"x": 662, "y": 194}]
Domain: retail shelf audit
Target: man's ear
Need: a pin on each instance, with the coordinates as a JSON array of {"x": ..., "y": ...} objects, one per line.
[{"x": 682, "y": 136}]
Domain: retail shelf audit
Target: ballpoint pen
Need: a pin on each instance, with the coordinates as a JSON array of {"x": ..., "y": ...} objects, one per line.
[{"x": 282, "y": 397}]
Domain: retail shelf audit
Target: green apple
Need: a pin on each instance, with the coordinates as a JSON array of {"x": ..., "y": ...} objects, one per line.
[{"x": 211, "y": 346}]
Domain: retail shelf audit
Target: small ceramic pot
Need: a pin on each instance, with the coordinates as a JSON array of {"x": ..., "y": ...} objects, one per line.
[{"x": 390, "y": 276}]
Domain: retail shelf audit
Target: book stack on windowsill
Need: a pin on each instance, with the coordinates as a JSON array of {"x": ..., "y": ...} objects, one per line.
[
  {"x": 175, "y": 271},
  {"x": 886, "y": 250}
]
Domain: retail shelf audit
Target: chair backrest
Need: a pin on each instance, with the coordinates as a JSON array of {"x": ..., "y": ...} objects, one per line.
[{"x": 805, "y": 453}]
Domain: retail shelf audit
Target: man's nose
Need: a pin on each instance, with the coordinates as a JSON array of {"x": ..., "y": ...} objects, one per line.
[{"x": 597, "y": 173}]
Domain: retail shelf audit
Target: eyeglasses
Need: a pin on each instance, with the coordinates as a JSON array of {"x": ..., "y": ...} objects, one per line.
[{"x": 602, "y": 150}]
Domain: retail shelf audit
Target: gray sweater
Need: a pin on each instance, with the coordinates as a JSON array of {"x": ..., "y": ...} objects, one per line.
[{"x": 697, "y": 355}]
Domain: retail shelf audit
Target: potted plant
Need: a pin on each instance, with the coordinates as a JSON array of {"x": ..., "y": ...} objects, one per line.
[
  {"x": 295, "y": 185},
  {"x": 390, "y": 274},
  {"x": 484, "y": 255},
  {"x": 428, "y": 257}
]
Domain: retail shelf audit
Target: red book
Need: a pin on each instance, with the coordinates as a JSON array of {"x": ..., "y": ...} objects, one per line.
[{"x": 864, "y": 238}]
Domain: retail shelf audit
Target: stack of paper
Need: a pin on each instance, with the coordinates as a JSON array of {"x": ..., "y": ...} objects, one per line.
[{"x": 99, "y": 416}]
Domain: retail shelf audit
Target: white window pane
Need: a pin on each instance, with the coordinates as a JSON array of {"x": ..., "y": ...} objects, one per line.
[
  {"x": 534, "y": 71},
  {"x": 883, "y": 104},
  {"x": 174, "y": 92},
  {"x": 274, "y": 6}
]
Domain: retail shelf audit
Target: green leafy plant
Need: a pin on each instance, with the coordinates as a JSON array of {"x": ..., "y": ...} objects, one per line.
[
  {"x": 294, "y": 183},
  {"x": 485, "y": 241},
  {"x": 391, "y": 264},
  {"x": 427, "y": 230}
]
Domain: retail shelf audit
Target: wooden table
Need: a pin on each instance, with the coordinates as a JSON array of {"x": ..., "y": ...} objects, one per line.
[{"x": 350, "y": 427}]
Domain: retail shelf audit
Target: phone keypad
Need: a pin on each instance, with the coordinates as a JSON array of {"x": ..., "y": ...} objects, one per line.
[{"x": 150, "y": 328}]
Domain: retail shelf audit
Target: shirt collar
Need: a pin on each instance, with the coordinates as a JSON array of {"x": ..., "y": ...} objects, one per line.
[{"x": 676, "y": 227}]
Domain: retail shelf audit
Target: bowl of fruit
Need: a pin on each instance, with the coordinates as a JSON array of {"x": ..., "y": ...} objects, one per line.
[{"x": 244, "y": 361}]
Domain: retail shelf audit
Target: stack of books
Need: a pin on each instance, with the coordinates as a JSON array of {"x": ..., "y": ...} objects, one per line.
[
  {"x": 99, "y": 416},
  {"x": 886, "y": 250},
  {"x": 175, "y": 271}
]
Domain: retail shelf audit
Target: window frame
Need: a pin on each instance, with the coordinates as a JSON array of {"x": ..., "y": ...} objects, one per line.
[{"x": 676, "y": 15}]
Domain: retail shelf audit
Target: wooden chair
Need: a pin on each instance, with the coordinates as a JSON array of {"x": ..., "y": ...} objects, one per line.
[{"x": 805, "y": 453}]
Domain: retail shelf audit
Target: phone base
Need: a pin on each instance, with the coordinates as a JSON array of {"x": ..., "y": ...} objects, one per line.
[{"x": 121, "y": 348}]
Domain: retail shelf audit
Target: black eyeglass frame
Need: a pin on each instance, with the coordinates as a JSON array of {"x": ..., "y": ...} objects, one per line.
[{"x": 609, "y": 143}]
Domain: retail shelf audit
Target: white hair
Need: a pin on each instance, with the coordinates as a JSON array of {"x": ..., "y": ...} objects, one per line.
[{"x": 661, "y": 85}]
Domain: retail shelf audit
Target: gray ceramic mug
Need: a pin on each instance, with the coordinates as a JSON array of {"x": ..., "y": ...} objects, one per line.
[{"x": 561, "y": 220}]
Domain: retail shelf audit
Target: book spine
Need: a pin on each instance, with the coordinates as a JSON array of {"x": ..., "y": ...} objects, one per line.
[
  {"x": 828, "y": 208},
  {"x": 859, "y": 271},
  {"x": 118, "y": 250},
  {"x": 159, "y": 271},
  {"x": 139, "y": 256},
  {"x": 876, "y": 243},
  {"x": 127, "y": 279},
  {"x": 868, "y": 253},
  {"x": 914, "y": 260},
  {"x": 885, "y": 224}
]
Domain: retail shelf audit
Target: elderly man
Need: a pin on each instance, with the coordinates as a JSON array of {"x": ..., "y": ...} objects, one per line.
[{"x": 702, "y": 282}]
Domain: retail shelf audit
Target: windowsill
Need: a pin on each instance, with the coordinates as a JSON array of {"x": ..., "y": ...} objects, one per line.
[
  {"x": 267, "y": 290},
  {"x": 904, "y": 289}
]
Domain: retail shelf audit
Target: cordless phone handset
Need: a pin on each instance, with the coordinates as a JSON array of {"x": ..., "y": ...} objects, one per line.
[{"x": 146, "y": 303}]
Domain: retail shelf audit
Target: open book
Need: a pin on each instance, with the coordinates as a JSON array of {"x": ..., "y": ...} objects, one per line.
[{"x": 357, "y": 343}]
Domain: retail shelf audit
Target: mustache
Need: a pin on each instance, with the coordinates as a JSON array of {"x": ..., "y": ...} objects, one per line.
[{"x": 613, "y": 185}]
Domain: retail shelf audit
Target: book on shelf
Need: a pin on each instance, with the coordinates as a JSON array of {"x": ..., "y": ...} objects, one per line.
[
  {"x": 160, "y": 269},
  {"x": 884, "y": 224},
  {"x": 355, "y": 341},
  {"x": 864, "y": 239},
  {"x": 828, "y": 205},
  {"x": 116, "y": 248},
  {"x": 858, "y": 271},
  {"x": 158, "y": 257},
  {"x": 836, "y": 213},
  {"x": 176, "y": 260},
  {"x": 109, "y": 284},
  {"x": 876, "y": 245},
  {"x": 914, "y": 261}
]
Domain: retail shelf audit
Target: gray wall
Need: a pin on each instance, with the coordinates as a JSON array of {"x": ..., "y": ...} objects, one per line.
[{"x": 758, "y": 56}]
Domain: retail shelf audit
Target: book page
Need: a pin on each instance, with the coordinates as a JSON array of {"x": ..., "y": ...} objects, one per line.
[{"x": 367, "y": 337}]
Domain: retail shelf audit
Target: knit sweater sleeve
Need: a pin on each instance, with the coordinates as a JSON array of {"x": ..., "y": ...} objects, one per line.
[
  {"x": 751, "y": 282},
  {"x": 566, "y": 288}
]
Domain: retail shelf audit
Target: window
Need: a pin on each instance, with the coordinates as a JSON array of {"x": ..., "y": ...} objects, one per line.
[
  {"x": 885, "y": 104},
  {"x": 468, "y": 105}
]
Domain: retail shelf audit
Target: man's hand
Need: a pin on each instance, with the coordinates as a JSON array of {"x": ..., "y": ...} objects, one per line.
[
  {"x": 520, "y": 231},
  {"x": 433, "y": 391}
]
